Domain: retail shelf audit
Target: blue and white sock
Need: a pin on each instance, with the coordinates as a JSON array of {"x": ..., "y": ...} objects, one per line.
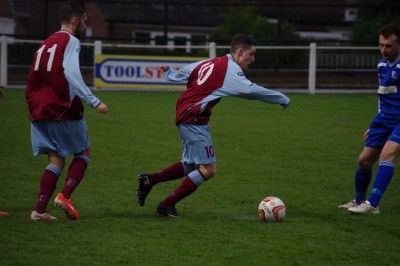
[{"x": 382, "y": 180}]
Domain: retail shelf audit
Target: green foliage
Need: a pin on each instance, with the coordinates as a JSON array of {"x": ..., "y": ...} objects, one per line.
[
  {"x": 247, "y": 20},
  {"x": 371, "y": 17},
  {"x": 305, "y": 155},
  {"x": 366, "y": 29}
]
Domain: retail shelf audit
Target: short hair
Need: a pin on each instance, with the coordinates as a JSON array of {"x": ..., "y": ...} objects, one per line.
[
  {"x": 70, "y": 9},
  {"x": 242, "y": 41},
  {"x": 390, "y": 29}
]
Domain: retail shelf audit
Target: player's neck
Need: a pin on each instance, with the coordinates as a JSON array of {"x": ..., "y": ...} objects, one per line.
[
  {"x": 234, "y": 59},
  {"x": 392, "y": 62},
  {"x": 70, "y": 30}
]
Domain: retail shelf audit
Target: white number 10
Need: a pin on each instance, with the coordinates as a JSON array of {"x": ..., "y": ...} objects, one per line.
[{"x": 52, "y": 51}]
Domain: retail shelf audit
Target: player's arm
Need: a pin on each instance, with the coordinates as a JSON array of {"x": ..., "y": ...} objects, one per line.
[
  {"x": 237, "y": 85},
  {"x": 74, "y": 77},
  {"x": 179, "y": 75}
]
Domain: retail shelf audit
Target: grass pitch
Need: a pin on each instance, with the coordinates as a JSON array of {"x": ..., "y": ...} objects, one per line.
[{"x": 305, "y": 155}]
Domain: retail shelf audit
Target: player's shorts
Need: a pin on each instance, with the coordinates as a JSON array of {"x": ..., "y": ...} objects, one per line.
[
  {"x": 197, "y": 146},
  {"x": 64, "y": 137},
  {"x": 380, "y": 132}
]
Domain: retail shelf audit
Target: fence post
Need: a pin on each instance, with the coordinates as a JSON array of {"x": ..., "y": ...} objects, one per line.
[
  {"x": 312, "y": 68},
  {"x": 97, "y": 51},
  {"x": 3, "y": 60},
  {"x": 212, "y": 50},
  {"x": 97, "y": 48}
]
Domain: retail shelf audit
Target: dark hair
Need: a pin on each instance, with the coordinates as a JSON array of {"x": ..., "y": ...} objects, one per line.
[
  {"x": 70, "y": 9},
  {"x": 390, "y": 29},
  {"x": 242, "y": 41}
]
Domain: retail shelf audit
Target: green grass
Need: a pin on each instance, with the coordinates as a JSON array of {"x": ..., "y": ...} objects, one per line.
[{"x": 305, "y": 155}]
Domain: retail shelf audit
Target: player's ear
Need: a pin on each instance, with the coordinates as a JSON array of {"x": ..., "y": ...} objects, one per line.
[
  {"x": 74, "y": 20},
  {"x": 240, "y": 51}
]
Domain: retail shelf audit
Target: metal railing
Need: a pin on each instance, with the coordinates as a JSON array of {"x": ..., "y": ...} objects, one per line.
[{"x": 311, "y": 58}]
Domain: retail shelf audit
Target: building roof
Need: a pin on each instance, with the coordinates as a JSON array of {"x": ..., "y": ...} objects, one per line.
[
  {"x": 154, "y": 13},
  {"x": 20, "y": 8},
  {"x": 208, "y": 13}
]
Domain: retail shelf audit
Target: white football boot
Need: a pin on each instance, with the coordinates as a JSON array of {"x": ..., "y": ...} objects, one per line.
[{"x": 364, "y": 208}]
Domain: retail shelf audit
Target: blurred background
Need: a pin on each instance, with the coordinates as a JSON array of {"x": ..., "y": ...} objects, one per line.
[{"x": 344, "y": 31}]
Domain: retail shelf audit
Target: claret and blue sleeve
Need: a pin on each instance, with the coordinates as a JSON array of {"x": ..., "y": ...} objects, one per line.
[
  {"x": 208, "y": 81},
  {"x": 235, "y": 84}
]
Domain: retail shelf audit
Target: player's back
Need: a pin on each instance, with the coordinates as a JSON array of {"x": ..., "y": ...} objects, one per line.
[{"x": 47, "y": 90}]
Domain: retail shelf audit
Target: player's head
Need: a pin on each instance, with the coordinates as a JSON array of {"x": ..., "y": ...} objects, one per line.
[
  {"x": 243, "y": 49},
  {"x": 74, "y": 15},
  {"x": 389, "y": 42}
]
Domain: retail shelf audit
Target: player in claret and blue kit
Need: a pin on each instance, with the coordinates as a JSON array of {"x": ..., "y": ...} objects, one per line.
[
  {"x": 207, "y": 82},
  {"x": 382, "y": 139},
  {"x": 53, "y": 93}
]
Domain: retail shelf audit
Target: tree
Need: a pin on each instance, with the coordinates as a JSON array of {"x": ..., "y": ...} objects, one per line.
[
  {"x": 248, "y": 21},
  {"x": 372, "y": 15}
]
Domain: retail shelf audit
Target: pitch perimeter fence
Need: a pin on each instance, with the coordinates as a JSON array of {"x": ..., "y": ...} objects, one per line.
[{"x": 312, "y": 67}]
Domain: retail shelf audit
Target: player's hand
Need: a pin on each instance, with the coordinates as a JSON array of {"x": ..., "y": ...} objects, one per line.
[
  {"x": 284, "y": 106},
  {"x": 164, "y": 68},
  {"x": 366, "y": 133},
  {"x": 102, "y": 108}
]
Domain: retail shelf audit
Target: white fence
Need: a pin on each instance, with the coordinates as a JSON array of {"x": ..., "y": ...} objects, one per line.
[{"x": 312, "y": 50}]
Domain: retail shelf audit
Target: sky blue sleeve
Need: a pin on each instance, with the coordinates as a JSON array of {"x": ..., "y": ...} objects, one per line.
[
  {"x": 181, "y": 74},
  {"x": 73, "y": 74},
  {"x": 237, "y": 85}
]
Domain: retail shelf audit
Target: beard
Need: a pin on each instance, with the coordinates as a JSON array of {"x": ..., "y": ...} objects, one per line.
[
  {"x": 79, "y": 32},
  {"x": 78, "y": 35}
]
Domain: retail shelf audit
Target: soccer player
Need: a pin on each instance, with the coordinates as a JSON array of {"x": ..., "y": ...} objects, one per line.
[
  {"x": 53, "y": 93},
  {"x": 207, "y": 82},
  {"x": 382, "y": 139}
]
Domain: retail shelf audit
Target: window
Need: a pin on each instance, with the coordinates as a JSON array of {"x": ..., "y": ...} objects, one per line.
[
  {"x": 159, "y": 39},
  {"x": 198, "y": 39},
  {"x": 350, "y": 14},
  {"x": 174, "y": 39},
  {"x": 142, "y": 37}
]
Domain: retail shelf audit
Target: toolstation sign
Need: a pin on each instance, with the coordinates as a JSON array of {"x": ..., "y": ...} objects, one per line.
[{"x": 137, "y": 72}]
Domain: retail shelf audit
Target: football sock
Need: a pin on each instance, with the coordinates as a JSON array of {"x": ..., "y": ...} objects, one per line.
[
  {"x": 362, "y": 178},
  {"x": 197, "y": 177},
  {"x": 382, "y": 180},
  {"x": 187, "y": 187},
  {"x": 175, "y": 171},
  {"x": 48, "y": 183},
  {"x": 75, "y": 174}
]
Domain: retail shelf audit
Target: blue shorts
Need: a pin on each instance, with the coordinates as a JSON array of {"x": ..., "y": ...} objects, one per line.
[
  {"x": 64, "y": 137},
  {"x": 197, "y": 146},
  {"x": 380, "y": 132}
]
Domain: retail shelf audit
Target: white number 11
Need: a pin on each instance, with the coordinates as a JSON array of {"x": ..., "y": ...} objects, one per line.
[{"x": 52, "y": 51}]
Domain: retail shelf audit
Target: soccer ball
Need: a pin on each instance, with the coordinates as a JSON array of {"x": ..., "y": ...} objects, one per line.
[{"x": 272, "y": 209}]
